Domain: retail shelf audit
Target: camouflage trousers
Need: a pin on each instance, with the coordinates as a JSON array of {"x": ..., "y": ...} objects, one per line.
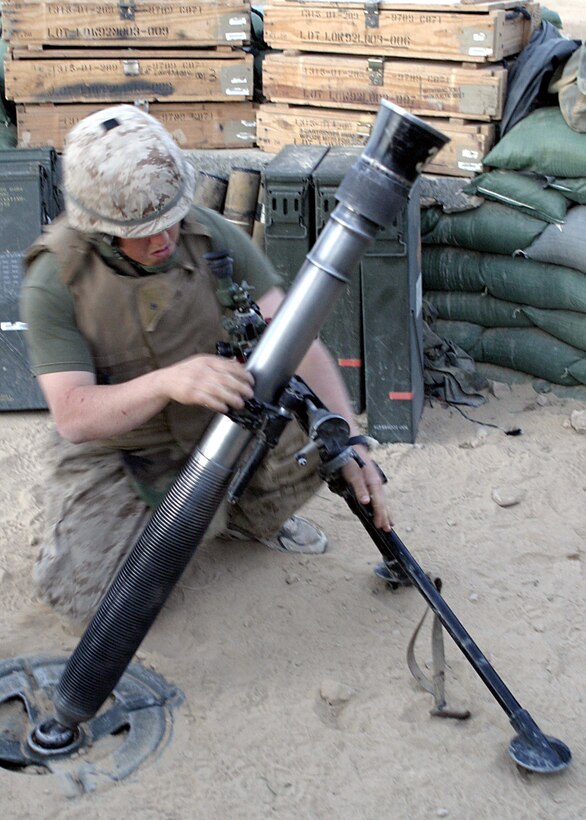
[{"x": 94, "y": 516}]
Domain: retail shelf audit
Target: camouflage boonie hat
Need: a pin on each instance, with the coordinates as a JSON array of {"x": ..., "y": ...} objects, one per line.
[{"x": 124, "y": 175}]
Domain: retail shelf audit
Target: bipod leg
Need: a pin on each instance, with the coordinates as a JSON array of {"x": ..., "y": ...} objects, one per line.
[{"x": 530, "y": 748}]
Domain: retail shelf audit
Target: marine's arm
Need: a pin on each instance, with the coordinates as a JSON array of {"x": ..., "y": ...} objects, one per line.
[{"x": 84, "y": 410}]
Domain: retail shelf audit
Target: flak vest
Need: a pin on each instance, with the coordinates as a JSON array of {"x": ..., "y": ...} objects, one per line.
[{"x": 137, "y": 324}]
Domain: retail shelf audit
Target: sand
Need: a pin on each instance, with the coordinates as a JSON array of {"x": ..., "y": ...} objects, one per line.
[
  {"x": 298, "y": 700},
  {"x": 572, "y": 15}
]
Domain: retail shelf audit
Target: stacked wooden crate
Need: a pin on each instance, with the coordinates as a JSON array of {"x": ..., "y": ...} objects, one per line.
[
  {"x": 440, "y": 59},
  {"x": 182, "y": 61}
]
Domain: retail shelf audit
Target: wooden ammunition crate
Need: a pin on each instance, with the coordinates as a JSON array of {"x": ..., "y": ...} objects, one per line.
[
  {"x": 206, "y": 23},
  {"x": 424, "y": 87},
  {"x": 418, "y": 29},
  {"x": 192, "y": 125},
  {"x": 279, "y": 125},
  {"x": 469, "y": 143},
  {"x": 108, "y": 75}
]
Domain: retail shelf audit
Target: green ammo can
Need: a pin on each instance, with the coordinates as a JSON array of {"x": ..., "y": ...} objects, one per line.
[
  {"x": 18, "y": 387},
  {"x": 29, "y": 199},
  {"x": 25, "y": 203},
  {"x": 49, "y": 159},
  {"x": 342, "y": 333},
  {"x": 375, "y": 331},
  {"x": 289, "y": 200},
  {"x": 393, "y": 328}
]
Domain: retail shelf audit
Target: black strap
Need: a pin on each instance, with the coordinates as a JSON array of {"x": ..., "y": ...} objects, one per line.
[{"x": 366, "y": 441}]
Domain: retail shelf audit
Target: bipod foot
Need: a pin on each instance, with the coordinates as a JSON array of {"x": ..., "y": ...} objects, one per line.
[{"x": 534, "y": 751}]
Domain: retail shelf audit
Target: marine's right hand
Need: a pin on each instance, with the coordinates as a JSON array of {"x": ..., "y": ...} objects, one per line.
[{"x": 213, "y": 382}]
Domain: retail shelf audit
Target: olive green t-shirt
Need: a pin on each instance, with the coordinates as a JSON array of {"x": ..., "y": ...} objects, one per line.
[{"x": 54, "y": 341}]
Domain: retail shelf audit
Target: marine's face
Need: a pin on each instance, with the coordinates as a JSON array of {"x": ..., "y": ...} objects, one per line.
[{"x": 151, "y": 250}]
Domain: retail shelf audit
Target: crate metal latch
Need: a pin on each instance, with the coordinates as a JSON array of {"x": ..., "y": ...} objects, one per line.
[
  {"x": 376, "y": 68},
  {"x": 127, "y": 9},
  {"x": 131, "y": 68},
  {"x": 371, "y": 14}
]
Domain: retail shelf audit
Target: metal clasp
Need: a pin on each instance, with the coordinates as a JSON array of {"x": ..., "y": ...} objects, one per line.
[
  {"x": 131, "y": 68},
  {"x": 371, "y": 13},
  {"x": 127, "y": 9},
  {"x": 376, "y": 67}
]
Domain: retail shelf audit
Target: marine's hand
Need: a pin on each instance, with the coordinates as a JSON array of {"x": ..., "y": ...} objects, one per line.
[
  {"x": 214, "y": 382},
  {"x": 368, "y": 487}
]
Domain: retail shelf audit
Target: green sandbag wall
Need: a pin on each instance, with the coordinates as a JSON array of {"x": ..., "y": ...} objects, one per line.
[
  {"x": 505, "y": 309},
  {"x": 529, "y": 350}
]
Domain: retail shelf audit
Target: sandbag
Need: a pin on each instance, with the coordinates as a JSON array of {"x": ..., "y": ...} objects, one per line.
[
  {"x": 566, "y": 325},
  {"x": 479, "y": 308},
  {"x": 562, "y": 244},
  {"x": 578, "y": 370},
  {"x": 514, "y": 279},
  {"x": 496, "y": 373},
  {"x": 464, "y": 334},
  {"x": 525, "y": 192},
  {"x": 542, "y": 142},
  {"x": 482, "y": 309},
  {"x": 551, "y": 16},
  {"x": 492, "y": 228},
  {"x": 570, "y": 86},
  {"x": 526, "y": 349},
  {"x": 572, "y": 189}
]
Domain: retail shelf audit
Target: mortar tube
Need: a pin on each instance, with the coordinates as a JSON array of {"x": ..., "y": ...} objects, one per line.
[{"x": 371, "y": 196}]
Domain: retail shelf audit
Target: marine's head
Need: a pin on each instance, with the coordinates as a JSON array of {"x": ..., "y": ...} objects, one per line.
[{"x": 124, "y": 176}]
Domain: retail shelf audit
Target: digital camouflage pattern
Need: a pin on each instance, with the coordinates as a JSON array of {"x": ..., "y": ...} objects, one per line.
[
  {"x": 124, "y": 175},
  {"x": 94, "y": 516}
]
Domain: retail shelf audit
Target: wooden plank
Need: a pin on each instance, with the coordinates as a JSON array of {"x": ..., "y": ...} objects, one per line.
[
  {"x": 279, "y": 125},
  {"x": 192, "y": 125},
  {"x": 423, "y": 87},
  {"x": 460, "y": 6},
  {"x": 479, "y": 36},
  {"x": 198, "y": 76},
  {"x": 51, "y": 53},
  {"x": 109, "y": 22}
]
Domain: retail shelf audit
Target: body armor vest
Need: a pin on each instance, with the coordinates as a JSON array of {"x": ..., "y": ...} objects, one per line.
[{"x": 136, "y": 324}]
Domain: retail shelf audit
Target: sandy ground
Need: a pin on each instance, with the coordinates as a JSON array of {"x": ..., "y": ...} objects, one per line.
[
  {"x": 298, "y": 700},
  {"x": 573, "y": 16}
]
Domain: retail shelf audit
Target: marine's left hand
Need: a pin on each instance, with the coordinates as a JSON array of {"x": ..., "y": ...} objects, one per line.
[{"x": 368, "y": 487}]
